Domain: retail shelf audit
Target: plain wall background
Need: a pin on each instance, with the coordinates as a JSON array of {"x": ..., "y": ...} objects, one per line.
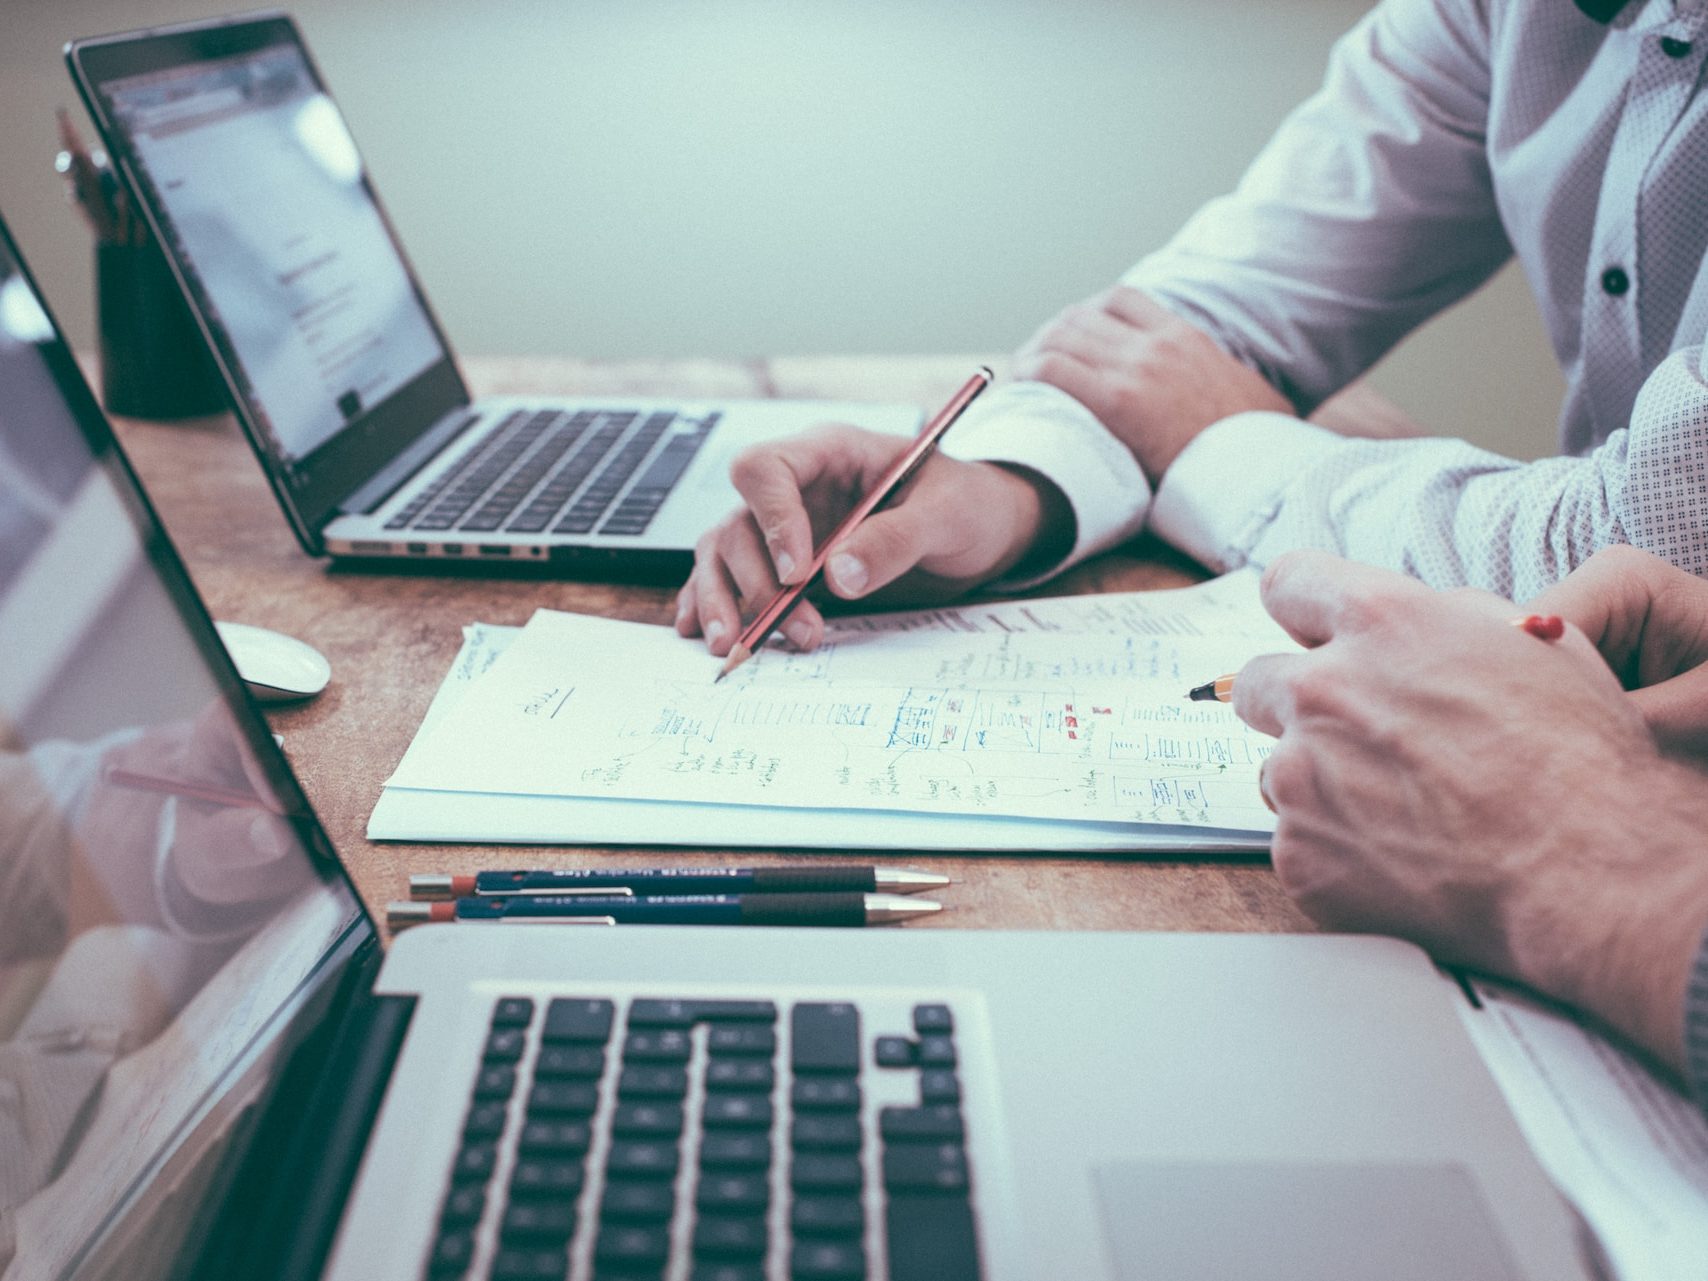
[{"x": 746, "y": 177}]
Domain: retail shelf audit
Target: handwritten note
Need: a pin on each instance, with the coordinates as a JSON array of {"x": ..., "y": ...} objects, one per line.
[{"x": 1033, "y": 724}]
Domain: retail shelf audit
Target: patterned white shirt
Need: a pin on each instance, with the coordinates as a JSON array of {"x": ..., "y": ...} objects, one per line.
[{"x": 1448, "y": 137}]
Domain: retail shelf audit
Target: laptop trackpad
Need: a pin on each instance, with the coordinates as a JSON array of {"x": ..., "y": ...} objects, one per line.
[{"x": 1297, "y": 1222}]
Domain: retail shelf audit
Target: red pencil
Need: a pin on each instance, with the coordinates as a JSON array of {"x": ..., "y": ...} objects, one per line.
[{"x": 754, "y": 634}]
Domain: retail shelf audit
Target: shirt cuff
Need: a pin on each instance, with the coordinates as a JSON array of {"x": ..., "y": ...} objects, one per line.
[
  {"x": 1696, "y": 1026},
  {"x": 1225, "y": 487},
  {"x": 1043, "y": 429}
]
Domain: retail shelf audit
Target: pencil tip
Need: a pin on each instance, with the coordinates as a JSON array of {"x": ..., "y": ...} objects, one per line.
[
  {"x": 1204, "y": 693},
  {"x": 737, "y": 656}
]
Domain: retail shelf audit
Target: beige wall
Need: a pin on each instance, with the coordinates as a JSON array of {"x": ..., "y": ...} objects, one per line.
[{"x": 731, "y": 177}]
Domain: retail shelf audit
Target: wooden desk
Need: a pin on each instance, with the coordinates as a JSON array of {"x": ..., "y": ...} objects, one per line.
[{"x": 391, "y": 638}]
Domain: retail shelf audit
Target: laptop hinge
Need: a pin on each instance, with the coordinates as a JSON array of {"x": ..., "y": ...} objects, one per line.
[
  {"x": 422, "y": 450},
  {"x": 281, "y": 1210}
]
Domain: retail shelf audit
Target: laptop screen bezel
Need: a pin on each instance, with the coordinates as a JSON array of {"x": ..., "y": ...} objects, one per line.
[{"x": 311, "y": 489}]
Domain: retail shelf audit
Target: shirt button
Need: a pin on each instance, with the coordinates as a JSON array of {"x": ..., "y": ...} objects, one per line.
[
  {"x": 1674, "y": 47},
  {"x": 1615, "y": 281}
]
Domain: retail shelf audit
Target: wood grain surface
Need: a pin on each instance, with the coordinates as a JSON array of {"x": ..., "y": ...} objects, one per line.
[{"x": 391, "y": 637}]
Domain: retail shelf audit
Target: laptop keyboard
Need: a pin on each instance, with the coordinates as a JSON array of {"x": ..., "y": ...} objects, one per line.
[
  {"x": 685, "y": 1138},
  {"x": 557, "y": 471}
]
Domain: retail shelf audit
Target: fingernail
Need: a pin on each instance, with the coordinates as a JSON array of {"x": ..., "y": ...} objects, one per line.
[
  {"x": 799, "y": 632},
  {"x": 849, "y": 573},
  {"x": 785, "y": 567},
  {"x": 714, "y": 631}
]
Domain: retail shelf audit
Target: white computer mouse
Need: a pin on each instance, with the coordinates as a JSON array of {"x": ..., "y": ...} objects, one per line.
[{"x": 276, "y": 668}]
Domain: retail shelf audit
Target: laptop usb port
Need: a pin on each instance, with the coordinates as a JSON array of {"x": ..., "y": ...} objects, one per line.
[{"x": 494, "y": 549}]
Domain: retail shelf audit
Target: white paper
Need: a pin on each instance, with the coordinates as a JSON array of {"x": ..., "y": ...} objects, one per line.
[
  {"x": 1081, "y": 728},
  {"x": 1628, "y": 1150}
]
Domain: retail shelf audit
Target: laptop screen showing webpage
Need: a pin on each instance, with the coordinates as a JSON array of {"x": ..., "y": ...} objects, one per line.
[
  {"x": 166, "y": 898},
  {"x": 263, "y": 197}
]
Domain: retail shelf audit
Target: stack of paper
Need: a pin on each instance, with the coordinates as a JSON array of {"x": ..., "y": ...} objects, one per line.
[{"x": 1054, "y": 724}]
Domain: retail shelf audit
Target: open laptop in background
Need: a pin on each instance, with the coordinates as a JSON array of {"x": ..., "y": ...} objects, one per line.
[
  {"x": 207, "y": 1070},
  {"x": 341, "y": 376}
]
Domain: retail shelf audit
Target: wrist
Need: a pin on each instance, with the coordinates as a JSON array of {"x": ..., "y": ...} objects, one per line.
[{"x": 1041, "y": 532}]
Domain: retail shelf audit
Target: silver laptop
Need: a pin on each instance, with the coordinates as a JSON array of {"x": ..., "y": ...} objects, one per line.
[
  {"x": 345, "y": 385},
  {"x": 207, "y": 1069}
]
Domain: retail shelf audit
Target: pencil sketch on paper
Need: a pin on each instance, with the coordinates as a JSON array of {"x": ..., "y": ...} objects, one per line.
[{"x": 1030, "y": 724}]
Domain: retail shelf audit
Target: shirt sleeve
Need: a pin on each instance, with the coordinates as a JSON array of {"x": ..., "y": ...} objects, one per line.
[
  {"x": 1444, "y": 511},
  {"x": 1370, "y": 209},
  {"x": 1043, "y": 430}
]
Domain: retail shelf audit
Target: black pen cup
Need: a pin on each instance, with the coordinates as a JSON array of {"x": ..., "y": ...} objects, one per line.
[{"x": 154, "y": 360}]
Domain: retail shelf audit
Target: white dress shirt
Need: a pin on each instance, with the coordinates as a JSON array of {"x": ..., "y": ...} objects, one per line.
[{"x": 1448, "y": 137}]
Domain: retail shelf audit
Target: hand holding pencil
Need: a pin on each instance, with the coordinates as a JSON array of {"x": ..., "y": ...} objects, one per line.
[{"x": 952, "y": 526}]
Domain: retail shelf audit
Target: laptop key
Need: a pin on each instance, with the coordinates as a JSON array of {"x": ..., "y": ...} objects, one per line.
[
  {"x": 531, "y": 1222},
  {"x": 545, "y": 1176},
  {"x": 485, "y": 1121},
  {"x": 562, "y": 1099},
  {"x": 647, "y": 1120},
  {"x": 939, "y": 1085},
  {"x": 452, "y": 1254},
  {"x": 647, "y": 1081},
  {"x": 742, "y": 1040},
  {"x": 725, "y": 1270},
  {"x": 831, "y": 1132},
  {"x": 505, "y": 1045},
  {"x": 736, "y": 1112},
  {"x": 933, "y": 1020},
  {"x": 828, "y": 1094},
  {"x": 513, "y": 1011},
  {"x": 464, "y": 1206},
  {"x": 827, "y": 1261},
  {"x": 925, "y": 1167},
  {"x": 937, "y": 1123},
  {"x": 894, "y": 1052},
  {"x": 730, "y": 1193},
  {"x": 629, "y": 1244},
  {"x": 825, "y": 1172},
  {"x": 825, "y": 1037},
  {"x": 577, "y": 1021},
  {"x": 936, "y": 1052},
  {"x": 735, "y": 1151},
  {"x": 530, "y": 1265},
  {"x": 663, "y": 1046},
  {"x": 827, "y": 1216},
  {"x": 931, "y": 1238},
  {"x": 719, "y": 1236},
  {"x": 569, "y": 1062},
  {"x": 646, "y": 1201},
  {"x": 642, "y": 1159},
  {"x": 740, "y": 1075},
  {"x": 556, "y": 1138},
  {"x": 474, "y": 1163}
]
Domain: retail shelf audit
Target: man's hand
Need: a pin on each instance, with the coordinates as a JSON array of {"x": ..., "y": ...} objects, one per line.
[
  {"x": 1649, "y": 619},
  {"x": 1448, "y": 778},
  {"x": 954, "y": 525},
  {"x": 1151, "y": 378}
]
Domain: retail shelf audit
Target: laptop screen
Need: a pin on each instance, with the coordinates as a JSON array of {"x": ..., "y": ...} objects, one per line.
[
  {"x": 166, "y": 897},
  {"x": 263, "y": 195}
]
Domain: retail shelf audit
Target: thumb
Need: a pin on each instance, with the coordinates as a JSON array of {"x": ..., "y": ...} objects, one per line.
[{"x": 887, "y": 545}]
